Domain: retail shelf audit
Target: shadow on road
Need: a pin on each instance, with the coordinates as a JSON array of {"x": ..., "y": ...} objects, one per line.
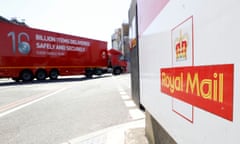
[{"x": 47, "y": 81}]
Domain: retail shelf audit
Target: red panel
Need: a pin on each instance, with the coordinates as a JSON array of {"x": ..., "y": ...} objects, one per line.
[{"x": 207, "y": 87}]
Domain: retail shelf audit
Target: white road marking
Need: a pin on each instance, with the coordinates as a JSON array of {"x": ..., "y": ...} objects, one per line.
[
  {"x": 125, "y": 97},
  {"x": 31, "y": 102},
  {"x": 129, "y": 103},
  {"x": 136, "y": 114},
  {"x": 122, "y": 93}
]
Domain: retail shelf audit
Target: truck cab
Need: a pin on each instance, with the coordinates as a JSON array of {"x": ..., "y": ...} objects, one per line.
[{"x": 117, "y": 63}]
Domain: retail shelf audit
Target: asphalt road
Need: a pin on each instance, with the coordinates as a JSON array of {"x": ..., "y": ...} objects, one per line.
[{"x": 53, "y": 112}]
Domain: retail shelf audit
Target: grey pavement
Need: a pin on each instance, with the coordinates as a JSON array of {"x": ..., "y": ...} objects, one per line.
[{"x": 128, "y": 133}]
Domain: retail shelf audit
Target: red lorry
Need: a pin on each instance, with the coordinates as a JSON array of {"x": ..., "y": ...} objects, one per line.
[
  {"x": 27, "y": 53},
  {"x": 116, "y": 62}
]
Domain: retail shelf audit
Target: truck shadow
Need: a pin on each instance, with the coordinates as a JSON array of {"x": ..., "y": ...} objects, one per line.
[{"x": 47, "y": 81}]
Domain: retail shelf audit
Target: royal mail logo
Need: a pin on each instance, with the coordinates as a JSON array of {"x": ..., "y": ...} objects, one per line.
[
  {"x": 207, "y": 87},
  {"x": 181, "y": 45}
]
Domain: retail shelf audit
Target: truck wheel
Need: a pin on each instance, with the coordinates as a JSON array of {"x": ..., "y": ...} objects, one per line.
[
  {"x": 16, "y": 79},
  {"x": 53, "y": 74},
  {"x": 88, "y": 73},
  {"x": 41, "y": 74},
  {"x": 117, "y": 71},
  {"x": 26, "y": 75},
  {"x": 98, "y": 72}
]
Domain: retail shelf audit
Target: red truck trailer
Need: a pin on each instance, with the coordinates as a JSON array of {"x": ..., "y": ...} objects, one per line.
[{"x": 27, "y": 53}]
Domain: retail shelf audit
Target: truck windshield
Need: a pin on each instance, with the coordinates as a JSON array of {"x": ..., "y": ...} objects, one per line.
[{"x": 121, "y": 57}]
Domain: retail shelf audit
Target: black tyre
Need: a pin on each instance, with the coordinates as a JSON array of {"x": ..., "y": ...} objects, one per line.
[
  {"x": 26, "y": 75},
  {"x": 16, "y": 79},
  {"x": 53, "y": 74},
  {"x": 41, "y": 74},
  {"x": 89, "y": 73},
  {"x": 117, "y": 71},
  {"x": 98, "y": 72}
]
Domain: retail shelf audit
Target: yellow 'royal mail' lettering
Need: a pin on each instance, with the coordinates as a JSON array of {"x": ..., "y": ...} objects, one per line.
[
  {"x": 173, "y": 83},
  {"x": 211, "y": 89},
  {"x": 193, "y": 83},
  {"x": 207, "y": 87}
]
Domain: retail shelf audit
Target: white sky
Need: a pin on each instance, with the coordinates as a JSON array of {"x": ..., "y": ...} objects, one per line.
[{"x": 95, "y": 19}]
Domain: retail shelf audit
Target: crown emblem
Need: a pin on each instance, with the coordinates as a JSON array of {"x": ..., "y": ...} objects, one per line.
[{"x": 181, "y": 45}]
